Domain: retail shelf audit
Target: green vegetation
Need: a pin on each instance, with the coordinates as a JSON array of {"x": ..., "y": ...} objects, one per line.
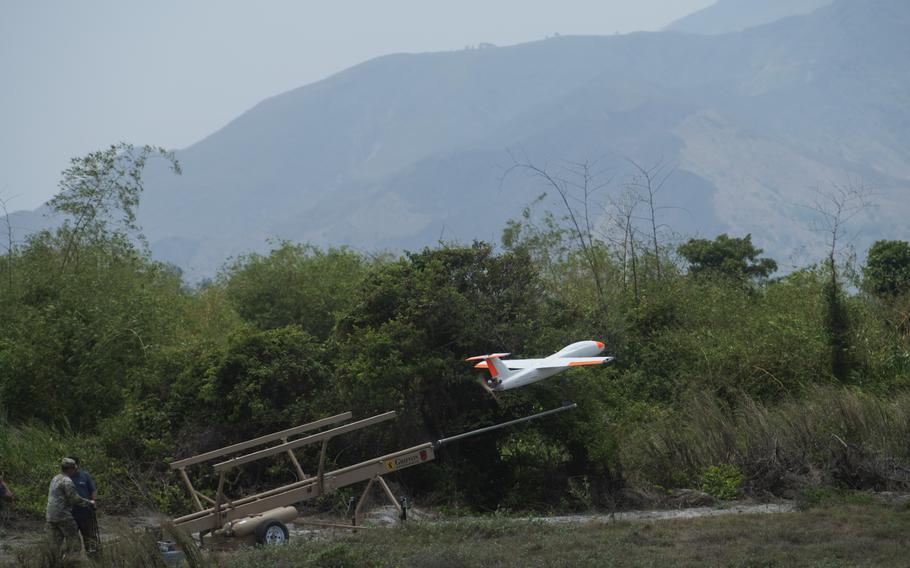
[
  {"x": 887, "y": 270},
  {"x": 725, "y": 379},
  {"x": 732, "y": 257},
  {"x": 830, "y": 436},
  {"x": 31, "y": 457},
  {"x": 722, "y": 481}
]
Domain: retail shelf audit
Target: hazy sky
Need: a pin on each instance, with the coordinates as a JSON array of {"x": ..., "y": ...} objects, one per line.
[{"x": 79, "y": 75}]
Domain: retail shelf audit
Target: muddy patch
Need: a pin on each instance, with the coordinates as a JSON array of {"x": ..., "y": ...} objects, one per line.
[{"x": 688, "y": 513}]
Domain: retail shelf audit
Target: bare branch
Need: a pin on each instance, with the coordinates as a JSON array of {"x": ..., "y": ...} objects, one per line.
[
  {"x": 10, "y": 244},
  {"x": 575, "y": 183},
  {"x": 650, "y": 180}
]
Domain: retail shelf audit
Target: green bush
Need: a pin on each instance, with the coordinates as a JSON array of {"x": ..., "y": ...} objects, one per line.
[
  {"x": 827, "y": 496},
  {"x": 294, "y": 285},
  {"x": 722, "y": 481}
]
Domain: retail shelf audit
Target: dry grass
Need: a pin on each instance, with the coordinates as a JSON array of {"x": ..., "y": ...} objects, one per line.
[
  {"x": 831, "y": 536},
  {"x": 129, "y": 549},
  {"x": 831, "y": 436},
  {"x": 838, "y": 530}
]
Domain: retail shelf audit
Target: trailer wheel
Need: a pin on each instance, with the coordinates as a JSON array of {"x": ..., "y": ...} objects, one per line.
[{"x": 272, "y": 532}]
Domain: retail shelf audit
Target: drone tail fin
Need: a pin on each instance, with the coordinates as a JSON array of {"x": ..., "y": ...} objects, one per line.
[
  {"x": 498, "y": 369},
  {"x": 493, "y": 363}
]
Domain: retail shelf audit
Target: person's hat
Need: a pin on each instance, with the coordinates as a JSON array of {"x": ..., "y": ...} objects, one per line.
[{"x": 67, "y": 463}]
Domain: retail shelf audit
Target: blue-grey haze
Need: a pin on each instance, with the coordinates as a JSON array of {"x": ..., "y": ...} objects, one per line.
[
  {"x": 751, "y": 108},
  {"x": 78, "y": 76}
]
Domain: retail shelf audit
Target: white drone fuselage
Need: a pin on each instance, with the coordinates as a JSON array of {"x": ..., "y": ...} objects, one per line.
[{"x": 508, "y": 374}]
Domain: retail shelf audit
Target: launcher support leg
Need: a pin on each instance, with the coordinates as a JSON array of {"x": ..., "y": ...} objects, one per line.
[
  {"x": 189, "y": 486},
  {"x": 206, "y": 497},
  {"x": 300, "y": 475},
  {"x": 388, "y": 492},
  {"x": 362, "y": 500},
  {"x": 219, "y": 497},
  {"x": 320, "y": 473}
]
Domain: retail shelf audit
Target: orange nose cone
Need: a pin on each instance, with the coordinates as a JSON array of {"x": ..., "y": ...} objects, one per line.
[{"x": 600, "y": 344}]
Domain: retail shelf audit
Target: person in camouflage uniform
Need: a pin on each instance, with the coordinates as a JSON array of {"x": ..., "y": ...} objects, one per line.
[{"x": 61, "y": 527}]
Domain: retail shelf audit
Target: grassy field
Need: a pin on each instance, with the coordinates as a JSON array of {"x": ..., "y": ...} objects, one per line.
[
  {"x": 838, "y": 531},
  {"x": 832, "y": 535}
]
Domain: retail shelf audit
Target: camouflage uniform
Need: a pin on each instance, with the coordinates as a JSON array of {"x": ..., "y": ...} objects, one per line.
[{"x": 61, "y": 528}]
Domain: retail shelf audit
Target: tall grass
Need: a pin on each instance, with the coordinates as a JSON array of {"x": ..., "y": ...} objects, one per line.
[
  {"x": 129, "y": 549},
  {"x": 30, "y": 456},
  {"x": 828, "y": 436}
]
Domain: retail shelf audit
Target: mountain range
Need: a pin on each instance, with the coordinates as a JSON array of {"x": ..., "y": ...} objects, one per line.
[{"x": 752, "y": 104}]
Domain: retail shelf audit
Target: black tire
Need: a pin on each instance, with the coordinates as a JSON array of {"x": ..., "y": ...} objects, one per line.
[{"x": 271, "y": 533}]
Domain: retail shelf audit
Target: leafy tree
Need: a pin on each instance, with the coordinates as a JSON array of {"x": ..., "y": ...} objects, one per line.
[
  {"x": 99, "y": 194},
  {"x": 734, "y": 257},
  {"x": 295, "y": 284},
  {"x": 67, "y": 352},
  {"x": 544, "y": 240},
  {"x": 887, "y": 270},
  {"x": 264, "y": 381},
  {"x": 72, "y": 340},
  {"x": 429, "y": 310},
  {"x": 834, "y": 208},
  {"x": 402, "y": 347}
]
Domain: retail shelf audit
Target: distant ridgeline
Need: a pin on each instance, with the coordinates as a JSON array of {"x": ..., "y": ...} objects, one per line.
[{"x": 737, "y": 15}]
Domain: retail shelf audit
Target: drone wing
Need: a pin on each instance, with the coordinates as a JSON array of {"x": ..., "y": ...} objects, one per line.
[
  {"x": 555, "y": 363},
  {"x": 572, "y": 362},
  {"x": 485, "y": 357},
  {"x": 514, "y": 363}
]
